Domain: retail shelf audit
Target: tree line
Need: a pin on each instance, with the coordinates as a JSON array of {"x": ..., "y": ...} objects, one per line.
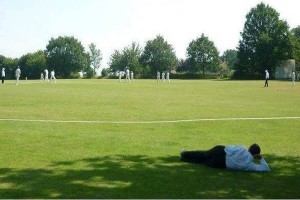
[
  {"x": 265, "y": 41},
  {"x": 65, "y": 55}
]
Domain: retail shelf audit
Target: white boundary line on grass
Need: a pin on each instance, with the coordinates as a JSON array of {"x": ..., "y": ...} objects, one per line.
[{"x": 150, "y": 122}]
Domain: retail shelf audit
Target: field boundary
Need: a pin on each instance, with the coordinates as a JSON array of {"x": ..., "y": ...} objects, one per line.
[{"x": 151, "y": 122}]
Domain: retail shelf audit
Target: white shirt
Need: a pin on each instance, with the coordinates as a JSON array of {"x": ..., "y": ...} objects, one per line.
[
  {"x": 3, "y": 72},
  {"x": 267, "y": 75},
  {"x": 18, "y": 72},
  {"x": 238, "y": 157},
  {"x": 46, "y": 73}
]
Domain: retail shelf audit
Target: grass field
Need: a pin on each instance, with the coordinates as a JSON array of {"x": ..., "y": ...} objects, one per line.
[{"x": 104, "y": 139}]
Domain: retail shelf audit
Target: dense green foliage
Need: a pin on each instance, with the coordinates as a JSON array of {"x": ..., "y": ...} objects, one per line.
[
  {"x": 74, "y": 142},
  {"x": 33, "y": 64},
  {"x": 265, "y": 41},
  {"x": 296, "y": 46},
  {"x": 117, "y": 61},
  {"x": 158, "y": 55},
  {"x": 10, "y": 65},
  {"x": 230, "y": 58},
  {"x": 132, "y": 56},
  {"x": 127, "y": 58},
  {"x": 203, "y": 56},
  {"x": 66, "y": 55}
]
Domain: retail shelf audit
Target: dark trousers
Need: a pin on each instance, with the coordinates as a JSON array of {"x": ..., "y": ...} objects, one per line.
[
  {"x": 266, "y": 83},
  {"x": 214, "y": 157},
  {"x": 3, "y": 77}
]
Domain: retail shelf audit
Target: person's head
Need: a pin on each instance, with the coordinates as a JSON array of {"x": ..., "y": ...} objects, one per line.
[{"x": 254, "y": 149}]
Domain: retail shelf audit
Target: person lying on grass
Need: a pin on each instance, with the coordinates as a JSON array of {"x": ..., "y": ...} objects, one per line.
[{"x": 230, "y": 157}]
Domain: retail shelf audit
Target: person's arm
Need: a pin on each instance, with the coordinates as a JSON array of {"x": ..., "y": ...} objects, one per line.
[{"x": 262, "y": 167}]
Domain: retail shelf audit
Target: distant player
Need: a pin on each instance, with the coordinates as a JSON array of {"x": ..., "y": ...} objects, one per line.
[
  {"x": 158, "y": 76},
  {"x": 131, "y": 75},
  {"x": 46, "y": 76},
  {"x": 18, "y": 75},
  {"x": 42, "y": 76},
  {"x": 52, "y": 76},
  {"x": 267, "y": 76},
  {"x": 3, "y": 75},
  {"x": 168, "y": 77},
  {"x": 163, "y": 77},
  {"x": 127, "y": 75},
  {"x": 80, "y": 74},
  {"x": 293, "y": 78}
]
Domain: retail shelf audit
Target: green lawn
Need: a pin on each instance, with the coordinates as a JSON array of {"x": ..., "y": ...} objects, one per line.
[{"x": 104, "y": 139}]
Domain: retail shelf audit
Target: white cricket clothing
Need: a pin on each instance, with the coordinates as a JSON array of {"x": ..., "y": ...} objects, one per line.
[
  {"x": 267, "y": 75},
  {"x": 238, "y": 157},
  {"x": 18, "y": 73}
]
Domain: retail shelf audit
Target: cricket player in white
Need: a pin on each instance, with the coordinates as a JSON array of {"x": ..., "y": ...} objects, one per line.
[
  {"x": 18, "y": 74},
  {"x": 293, "y": 78},
  {"x": 163, "y": 77},
  {"x": 46, "y": 76},
  {"x": 127, "y": 75},
  {"x": 158, "y": 76},
  {"x": 131, "y": 75},
  {"x": 168, "y": 77},
  {"x": 42, "y": 76},
  {"x": 52, "y": 76},
  {"x": 3, "y": 75}
]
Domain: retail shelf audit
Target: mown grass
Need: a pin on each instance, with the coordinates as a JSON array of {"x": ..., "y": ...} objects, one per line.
[{"x": 40, "y": 159}]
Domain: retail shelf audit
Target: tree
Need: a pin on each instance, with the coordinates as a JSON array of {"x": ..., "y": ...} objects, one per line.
[
  {"x": 33, "y": 64},
  {"x": 296, "y": 32},
  {"x": 183, "y": 66},
  {"x": 265, "y": 41},
  {"x": 10, "y": 65},
  {"x": 117, "y": 61},
  {"x": 95, "y": 57},
  {"x": 66, "y": 55},
  {"x": 158, "y": 55},
  {"x": 132, "y": 56},
  {"x": 296, "y": 46},
  {"x": 2, "y": 61},
  {"x": 129, "y": 58},
  {"x": 203, "y": 56},
  {"x": 230, "y": 57},
  {"x": 104, "y": 72}
]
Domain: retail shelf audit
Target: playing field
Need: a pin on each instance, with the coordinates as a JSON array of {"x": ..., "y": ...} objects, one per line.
[{"x": 104, "y": 139}]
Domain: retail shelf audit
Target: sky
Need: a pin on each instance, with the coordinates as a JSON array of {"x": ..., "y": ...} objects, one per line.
[{"x": 26, "y": 26}]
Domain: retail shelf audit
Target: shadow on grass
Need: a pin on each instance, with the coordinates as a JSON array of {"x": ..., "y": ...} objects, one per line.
[{"x": 149, "y": 177}]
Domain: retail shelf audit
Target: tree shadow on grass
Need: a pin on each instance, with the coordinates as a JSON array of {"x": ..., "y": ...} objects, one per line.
[{"x": 139, "y": 176}]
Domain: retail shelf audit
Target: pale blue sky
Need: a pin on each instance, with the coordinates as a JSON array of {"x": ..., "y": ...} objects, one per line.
[{"x": 27, "y": 25}]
